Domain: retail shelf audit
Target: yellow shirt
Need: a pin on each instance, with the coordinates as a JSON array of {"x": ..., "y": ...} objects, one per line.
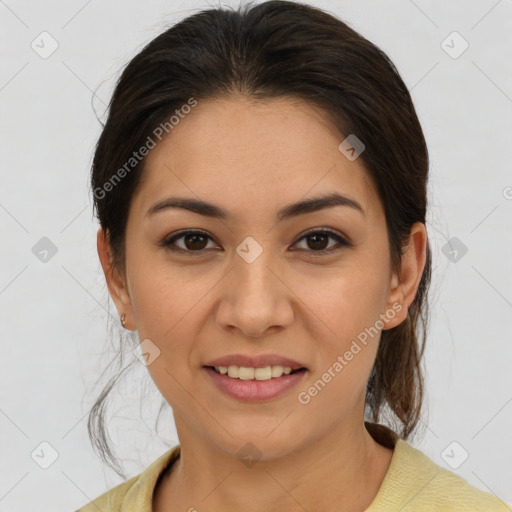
[{"x": 413, "y": 483}]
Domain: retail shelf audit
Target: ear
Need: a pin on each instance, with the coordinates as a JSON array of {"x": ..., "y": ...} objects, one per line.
[
  {"x": 116, "y": 286},
  {"x": 403, "y": 291}
]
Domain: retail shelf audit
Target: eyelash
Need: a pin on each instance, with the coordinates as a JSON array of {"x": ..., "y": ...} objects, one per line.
[{"x": 168, "y": 242}]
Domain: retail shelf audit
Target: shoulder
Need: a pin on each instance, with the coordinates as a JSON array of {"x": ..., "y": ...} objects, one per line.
[
  {"x": 112, "y": 500},
  {"x": 448, "y": 491},
  {"x": 415, "y": 482},
  {"x": 134, "y": 495}
]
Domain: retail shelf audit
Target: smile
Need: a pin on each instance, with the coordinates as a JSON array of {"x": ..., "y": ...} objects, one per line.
[
  {"x": 250, "y": 373},
  {"x": 254, "y": 384}
]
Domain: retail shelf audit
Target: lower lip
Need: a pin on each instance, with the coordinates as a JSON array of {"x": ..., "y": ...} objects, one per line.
[{"x": 255, "y": 390}]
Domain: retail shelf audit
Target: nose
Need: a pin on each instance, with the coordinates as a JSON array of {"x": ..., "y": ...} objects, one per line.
[{"x": 255, "y": 297}]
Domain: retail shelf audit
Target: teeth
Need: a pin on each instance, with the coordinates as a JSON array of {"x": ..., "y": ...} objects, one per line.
[{"x": 245, "y": 373}]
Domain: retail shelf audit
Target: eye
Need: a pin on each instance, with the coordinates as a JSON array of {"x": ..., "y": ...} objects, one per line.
[
  {"x": 196, "y": 241},
  {"x": 320, "y": 237}
]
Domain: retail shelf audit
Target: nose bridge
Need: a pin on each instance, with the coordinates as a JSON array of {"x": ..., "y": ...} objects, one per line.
[
  {"x": 254, "y": 298},
  {"x": 253, "y": 269}
]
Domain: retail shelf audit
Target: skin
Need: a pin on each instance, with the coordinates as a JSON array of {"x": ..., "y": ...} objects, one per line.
[{"x": 252, "y": 158}]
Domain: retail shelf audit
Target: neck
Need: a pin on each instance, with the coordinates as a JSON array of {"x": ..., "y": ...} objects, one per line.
[{"x": 341, "y": 471}]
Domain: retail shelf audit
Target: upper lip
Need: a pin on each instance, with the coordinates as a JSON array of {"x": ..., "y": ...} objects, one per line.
[{"x": 259, "y": 361}]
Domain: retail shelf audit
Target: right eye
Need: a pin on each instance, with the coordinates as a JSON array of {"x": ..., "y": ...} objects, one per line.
[{"x": 193, "y": 241}]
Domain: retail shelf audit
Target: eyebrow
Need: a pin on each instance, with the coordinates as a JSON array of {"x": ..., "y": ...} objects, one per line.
[{"x": 288, "y": 211}]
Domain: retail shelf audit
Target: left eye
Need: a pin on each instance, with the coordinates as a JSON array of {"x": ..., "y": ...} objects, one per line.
[
  {"x": 194, "y": 241},
  {"x": 319, "y": 238}
]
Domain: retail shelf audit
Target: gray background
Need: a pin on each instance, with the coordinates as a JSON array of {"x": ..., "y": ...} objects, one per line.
[{"x": 54, "y": 312}]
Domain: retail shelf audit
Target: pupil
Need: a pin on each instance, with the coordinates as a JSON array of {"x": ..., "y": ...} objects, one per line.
[
  {"x": 316, "y": 236},
  {"x": 194, "y": 238}
]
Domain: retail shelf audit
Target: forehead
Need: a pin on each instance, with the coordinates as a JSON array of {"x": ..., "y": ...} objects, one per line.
[{"x": 251, "y": 156}]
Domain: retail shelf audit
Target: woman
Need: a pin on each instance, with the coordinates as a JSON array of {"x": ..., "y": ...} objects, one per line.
[{"x": 261, "y": 189}]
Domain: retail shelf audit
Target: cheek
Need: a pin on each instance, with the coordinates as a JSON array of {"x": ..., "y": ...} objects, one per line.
[
  {"x": 349, "y": 308},
  {"x": 167, "y": 303},
  {"x": 346, "y": 301},
  {"x": 348, "y": 304},
  {"x": 163, "y": 295}
]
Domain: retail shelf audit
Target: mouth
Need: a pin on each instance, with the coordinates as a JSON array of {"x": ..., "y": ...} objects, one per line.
[{"x": 255, "y": 384}]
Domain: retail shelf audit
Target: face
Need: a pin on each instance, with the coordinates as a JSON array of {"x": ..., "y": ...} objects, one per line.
[{"x": 253, "y": 283}]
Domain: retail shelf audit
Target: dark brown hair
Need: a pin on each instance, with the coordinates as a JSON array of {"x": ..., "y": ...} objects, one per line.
[{"x": 270, "y": 50}]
